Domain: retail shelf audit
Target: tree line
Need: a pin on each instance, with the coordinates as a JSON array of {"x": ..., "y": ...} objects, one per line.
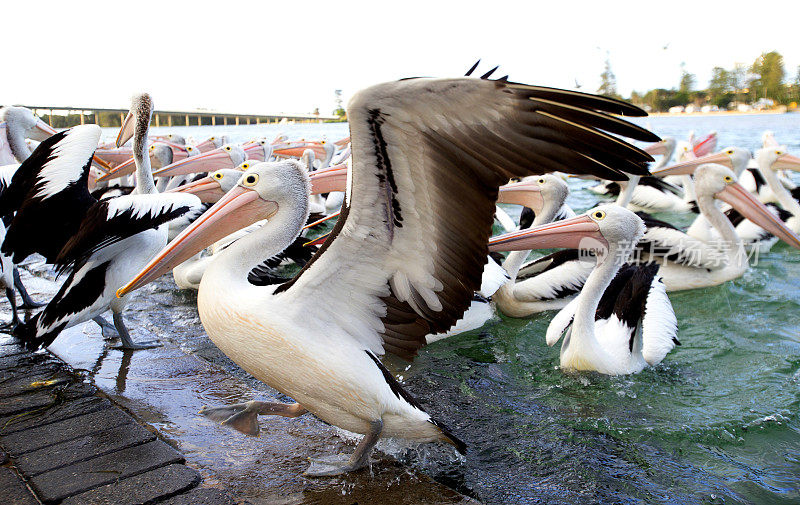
[{"x": 764, "y": 82}]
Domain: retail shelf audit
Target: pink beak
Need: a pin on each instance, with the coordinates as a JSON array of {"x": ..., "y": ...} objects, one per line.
[
  {"x": 740, "y": 199},
  {"x": 527, "y": 194},
  {"x": 579, "y": 232},
  {"x": 215, "y": 159},
  {"x": 330, "y": 179}
]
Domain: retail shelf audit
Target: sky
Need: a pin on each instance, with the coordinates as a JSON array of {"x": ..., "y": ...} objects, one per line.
[{"x": 269, "y": 57}]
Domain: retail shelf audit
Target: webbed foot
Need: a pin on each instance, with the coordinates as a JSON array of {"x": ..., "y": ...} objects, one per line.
[{"x": 337, "y": 464}]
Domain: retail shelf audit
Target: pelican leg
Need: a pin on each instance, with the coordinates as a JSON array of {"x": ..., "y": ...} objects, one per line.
[
  {"x": 27, "y": 301},
  {"x": 243, "y": 417},
  {"x": 342, "y": 463},
  {"x": 107, "y": 329},
  {"x": 15, "y": 317},
  {"x": 127, "y": 343}
]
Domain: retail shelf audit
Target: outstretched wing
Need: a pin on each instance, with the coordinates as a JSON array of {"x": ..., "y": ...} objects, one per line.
[
  {"x": 428, "y": 158},
  {"x": 110, "y": 221},
  {"x": 49, "y": 194}
]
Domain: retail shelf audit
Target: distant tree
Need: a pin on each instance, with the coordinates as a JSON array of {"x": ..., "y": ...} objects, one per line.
[
  {"x": 685, "y": 88},
  {"x": 608, "y": 82},
  {"x": 720, "y": 88},
  {"x": 636, "y": 98},
  {"x": 660, "y": 99},
  {"x": 739, "y": 82},
  {"x": 769, "y": 73}
]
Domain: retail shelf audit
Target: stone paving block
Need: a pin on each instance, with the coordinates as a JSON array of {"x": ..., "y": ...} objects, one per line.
[
  {"x": 143, "y": 488},
  {"x": 35, "y": 381},
  {"x": 68, "y": 429},
  {"x": 44, "y": 398},
  {"x": 204, "y": 496},
  {"x": 81, "y": 449},
  {"x": 84, "y": 476},
  {"x": 13, "y": 491},
  {"x": 85, "y": 405}
]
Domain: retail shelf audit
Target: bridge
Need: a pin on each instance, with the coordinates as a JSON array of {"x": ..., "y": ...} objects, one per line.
[{"x": 64, "y": 117}]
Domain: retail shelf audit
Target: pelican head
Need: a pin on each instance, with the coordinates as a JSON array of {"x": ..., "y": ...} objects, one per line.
[
  {"x": 212, "y": 188},
  {"x": 777, "y": 158},
  {"x": 23, "y": 120},
  {"x": 717, "y": 181},
  {"x": 537, "y": 193},
  {"x": 604, "y": 230},
  {"x": 258, "y": 194},
  {"x": 138, "y": 118},
  {"x": 735, "y": 158}
]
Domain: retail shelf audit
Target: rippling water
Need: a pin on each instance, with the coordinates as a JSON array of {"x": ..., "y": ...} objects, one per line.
[{"x": 716, "y": 422}]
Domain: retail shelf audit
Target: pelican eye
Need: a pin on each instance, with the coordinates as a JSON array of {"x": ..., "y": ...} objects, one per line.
[
  {"x": 212, "y": 138},
  {"x": 599, "y": 215},
  {"x": 218, "y": 176},
  {"x": 245, "y": 166},
  {"x": 188, "y": 148},
  {"x": 228, "y": 148},
  {"x": 541, "y": 180},
  {"x": 729, "y": 151},
  {"x": 779, "y": 153},
  {"x": 728, "y": 179},
  {"x": 250, "y": 180}
]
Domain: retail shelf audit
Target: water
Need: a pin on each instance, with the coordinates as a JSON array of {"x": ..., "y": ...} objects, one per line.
[{"x": 716, "y": 422}]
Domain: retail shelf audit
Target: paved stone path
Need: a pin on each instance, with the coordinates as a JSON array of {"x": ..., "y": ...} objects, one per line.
[{"x": 61, "y": 441}]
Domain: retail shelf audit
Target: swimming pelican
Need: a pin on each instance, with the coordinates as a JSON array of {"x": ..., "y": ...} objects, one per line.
[
  {"x": 622, "y": 320},
  {"x": 688, "y": 262},
  {"x": 17, "y": 124},
  {"x": 100, "y": 243},
  {"x": 406, "y": 257}
]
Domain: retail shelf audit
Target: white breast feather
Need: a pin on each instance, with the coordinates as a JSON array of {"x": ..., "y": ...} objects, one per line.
[{"x": 659, "y": 324}]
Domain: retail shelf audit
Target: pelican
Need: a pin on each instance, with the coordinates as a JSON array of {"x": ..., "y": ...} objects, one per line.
[
  {"x": 547, "y": 283},
  {"x": 212, "y": 143},
  {"x": 688, "y": 262},
  {"x": 100, "y": 243},
  {"x": 402, "y": 263},
  {"x": 622, "y": 320},
  {"x": 17, "y": 124}
]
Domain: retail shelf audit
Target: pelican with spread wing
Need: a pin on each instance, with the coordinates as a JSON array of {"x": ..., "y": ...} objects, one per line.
[{"x": 406, "y": 254}]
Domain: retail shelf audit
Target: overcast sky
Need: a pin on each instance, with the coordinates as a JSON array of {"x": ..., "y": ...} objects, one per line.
[{"x": 264, "y": 57}]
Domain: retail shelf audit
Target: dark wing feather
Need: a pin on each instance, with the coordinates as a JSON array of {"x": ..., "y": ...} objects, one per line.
[
  {"x": 111, "y": 221},
  {"x": 49, "y": 194}
]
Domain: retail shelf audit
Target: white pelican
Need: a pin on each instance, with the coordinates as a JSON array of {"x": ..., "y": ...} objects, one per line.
[
  {"x": 100, "y": 243},
  {"x": 405, "y": 258},
  {"x": 212, "y": 143},
  {"x": 622, "y": 320},
  {"x": 549, "y": 282},
  {"x": 17, "y": 124},
  {"x": 688, "y": 262}
]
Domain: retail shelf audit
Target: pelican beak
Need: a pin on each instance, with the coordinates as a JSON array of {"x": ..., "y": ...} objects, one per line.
[
  {"x": 656, "y": 148},
  {"x": 127, "y": 129},
  {"x": 787, "y": 162},
  {"x": 206, "y": 145},
  {"x": 688, "y": 167},
  {"x": 330, "y": 179},
  {"x": 740, "y": 199},
  {"x": 256, "y": 151},
  {"x": 102, "y": 165},
  {"x": 121, "y": 170},
  {"x": 296, "y": 150},
  {"x": 320, "y": 221},
  {"x": 240, "y": 207},
  {"x": 41, "y": 131},
  {"x": 206, "y": 189},
  {"x": 210, "y": 161},
  {"x": 527, "y": 194},
  {"x": 706, "y": 146},
  {"x": 343, "y": 142},
  {"x": 318, "y": 241},
  {"x": 580, "y": 232}
]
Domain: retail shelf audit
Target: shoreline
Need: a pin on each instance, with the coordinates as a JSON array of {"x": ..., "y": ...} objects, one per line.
[{"x": 720, "y": 113}]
